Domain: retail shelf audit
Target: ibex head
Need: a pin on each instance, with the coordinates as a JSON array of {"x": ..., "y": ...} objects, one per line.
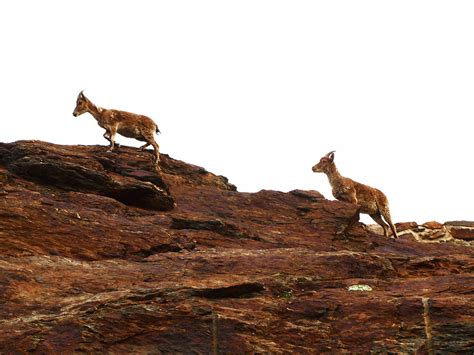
[
  {"x": 325, "y": 163},
  {"x": 81, "y": 104}
]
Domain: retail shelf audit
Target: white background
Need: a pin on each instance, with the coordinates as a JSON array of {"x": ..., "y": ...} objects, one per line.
[{"x": 258, "y": 91}]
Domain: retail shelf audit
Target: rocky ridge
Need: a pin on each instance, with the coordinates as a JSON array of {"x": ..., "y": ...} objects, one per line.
[{"x": 99, "y": 253}]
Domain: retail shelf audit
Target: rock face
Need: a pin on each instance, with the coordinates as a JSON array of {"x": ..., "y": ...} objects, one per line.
[
  {"x": 99, "y": 253},
  {"x": 93, "y": 172}
]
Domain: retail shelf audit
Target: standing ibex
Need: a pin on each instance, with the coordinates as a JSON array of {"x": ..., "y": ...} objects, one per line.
[
  {"x": 127, "y": 124},
  {"x": 370, "y": 200}
]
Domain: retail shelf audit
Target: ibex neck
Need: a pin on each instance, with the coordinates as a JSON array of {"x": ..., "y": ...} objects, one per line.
[
  {"x": 94, "y": 110},
  {"x": 334, "y": 176}
]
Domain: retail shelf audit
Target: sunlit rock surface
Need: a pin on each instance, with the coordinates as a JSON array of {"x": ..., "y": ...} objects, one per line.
[{"x": 99, "y": 253}]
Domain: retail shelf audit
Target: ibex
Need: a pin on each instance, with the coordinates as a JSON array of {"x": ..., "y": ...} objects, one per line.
[
  {"x": 369, "y": 200},
  {"x": 127, "y": 124}
]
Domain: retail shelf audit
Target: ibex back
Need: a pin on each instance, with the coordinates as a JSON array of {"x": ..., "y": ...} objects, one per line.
[
  {"x": 127, "y": 124},
  {"x": 369, "y": 200}
]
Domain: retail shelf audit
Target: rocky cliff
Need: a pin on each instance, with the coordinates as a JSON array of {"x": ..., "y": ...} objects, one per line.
[{"x": 99, "y": 253}]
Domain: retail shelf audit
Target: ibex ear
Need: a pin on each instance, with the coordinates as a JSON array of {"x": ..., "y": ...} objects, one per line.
[
  {"x": 330, "y": 155},
  {"x": 81, "y": 93}
]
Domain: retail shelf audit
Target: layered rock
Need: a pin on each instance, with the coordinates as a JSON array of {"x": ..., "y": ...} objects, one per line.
[
  {"x": 99, "y": 253},
  {"x": 95, "y": 172},
  {"x": 435, "y": 232},
  {"x": 461, "y": 229}
]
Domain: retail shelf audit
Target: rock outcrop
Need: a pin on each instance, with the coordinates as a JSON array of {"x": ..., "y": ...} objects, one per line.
[
  {"x": 100, "y": 254},
  {"x": 454, "y": 231}
]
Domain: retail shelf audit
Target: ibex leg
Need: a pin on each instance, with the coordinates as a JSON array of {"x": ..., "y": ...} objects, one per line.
[{"x": 378, "y": 218}]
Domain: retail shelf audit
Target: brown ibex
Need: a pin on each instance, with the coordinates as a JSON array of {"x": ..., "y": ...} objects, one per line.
[
  {"x": 369, "y": 200},
  {"x": 127, "y": 124}
]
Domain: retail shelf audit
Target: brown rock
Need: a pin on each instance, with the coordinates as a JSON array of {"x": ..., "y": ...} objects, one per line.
[
  {"x": 401, "y": 227},
  {"x": 462, "y": 233},
  {"x": 86, "y": 265},
  {"x": 313, "y": 196},
  {"x": 469, "y": 224},
  {"x": 50, "y": 165},
  {"x": 433, "y": 225}
]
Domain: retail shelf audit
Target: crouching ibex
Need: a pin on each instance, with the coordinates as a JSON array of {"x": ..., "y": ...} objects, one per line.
[
  {"x": 369, "y": 200},
  {"x": 127, "y": 124}
]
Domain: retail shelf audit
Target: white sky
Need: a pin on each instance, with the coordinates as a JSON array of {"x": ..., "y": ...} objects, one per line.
[{"x": 258, "y": 91}]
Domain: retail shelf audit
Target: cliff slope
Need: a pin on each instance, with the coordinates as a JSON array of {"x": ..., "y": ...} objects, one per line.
[{"x": 99, "y": 253}]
